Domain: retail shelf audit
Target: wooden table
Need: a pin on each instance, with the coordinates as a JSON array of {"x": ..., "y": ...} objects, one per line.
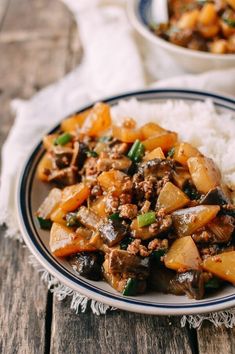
[{"x": 38, "y": 45}]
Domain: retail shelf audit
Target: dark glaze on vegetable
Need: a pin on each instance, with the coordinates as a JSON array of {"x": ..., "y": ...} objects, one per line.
[{"x": 136, "y": 207}]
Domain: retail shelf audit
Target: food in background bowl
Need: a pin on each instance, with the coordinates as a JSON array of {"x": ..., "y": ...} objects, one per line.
[
  {"x": 137, "y": 206},
  {"x": 200, "y": 25}
]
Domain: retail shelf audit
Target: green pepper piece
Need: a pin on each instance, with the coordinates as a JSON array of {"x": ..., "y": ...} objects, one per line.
[
  {"x": 131, "y": 287},
  {"x": 71, "y": 220},
  {"x": 114, "y": 216},
  {"x": 63, "y": 139},
  {"x": 136, "y": 152},
  {"x": 146, "y": 219},
  {"x": 45, "y": 224},
  {"x": 213, "y": 283}
]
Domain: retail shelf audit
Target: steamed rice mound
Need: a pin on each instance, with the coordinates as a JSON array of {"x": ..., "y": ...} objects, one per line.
[{"x": 199, "y": 123}]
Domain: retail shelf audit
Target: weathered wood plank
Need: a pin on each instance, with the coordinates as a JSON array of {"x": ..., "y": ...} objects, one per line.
[
  {"x": 3, "y": 10},
  {"x": 216, "y": 340},
  {"x": 26, "y": 66},
  {"x": 22, "y": 302},
  {"x": 116, "y": 332}
]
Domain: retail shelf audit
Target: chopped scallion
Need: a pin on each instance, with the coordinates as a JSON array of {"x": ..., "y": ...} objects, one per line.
[
  {"x": 136, "y": 152},
  {"x": 71, "y": 220},
  {"x": 171, "y": 152},
  {"x": 146, "y": 219},
  {"x": 91, "y": 153},
  {"x": 63, "y": 139},
  {"x": 114, "y": 216}
]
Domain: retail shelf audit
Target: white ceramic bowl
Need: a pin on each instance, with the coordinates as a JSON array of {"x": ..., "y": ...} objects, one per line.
[{"x": 139, "y": 12}]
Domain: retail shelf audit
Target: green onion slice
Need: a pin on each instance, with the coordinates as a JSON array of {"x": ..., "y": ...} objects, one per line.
[
  {"x": 63, "y": 139},
  {"x": 146, "y": 219},
  {"x": 136, "y": 152}
]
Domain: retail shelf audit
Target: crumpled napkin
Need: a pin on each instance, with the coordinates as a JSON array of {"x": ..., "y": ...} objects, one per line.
[{"x": 111, "y": 64}]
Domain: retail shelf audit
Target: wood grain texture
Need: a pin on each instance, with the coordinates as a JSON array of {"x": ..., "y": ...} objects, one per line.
[
  {"x": 116, "y": 332},
  {"x": 216, "y": 340}
]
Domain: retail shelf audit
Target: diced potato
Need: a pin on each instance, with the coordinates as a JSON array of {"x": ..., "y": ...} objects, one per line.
[
  {"x": 181, "y": 176},
  {"x": 98, "y": 120},
  {"x": 112, "y": 180},
  {"x": 151, "y": 129},
  {"x": 64, "y": 241},
  {"x": 155, "y": 154},
  {"x": 49, "y": 204},
  {"x": 188, "y": 20},
  {"x": 74, "y": 122},
  {"x": 219, "y": 46},
  {"x": 231, "y": 3},
  {"x": 58, "y": 216},
  {"x": 48, "y": 141},
  {"x": 204, "y": 173},
  {"x": 126, "y": 135},
  {"x": 187, "y": 221},
  {"x": 45, "y": 165},
  {"x": 140, "y": 232},
  {"x": 183, "y": 255},
  {"x": 183, "y": 151},
  {"x": 222, "y": 266},
  {"x": 97, "y": 241},
  {"x": 73, "y": 196},
  {"x": 165, "y": 141},
  {"x": 226, "y": 29},
  {"x": 208, "y": 14},
  {"x": 209, "y": 31},
  {"x": 99, "y": 205},
  {"x": 171, "y": 198}
]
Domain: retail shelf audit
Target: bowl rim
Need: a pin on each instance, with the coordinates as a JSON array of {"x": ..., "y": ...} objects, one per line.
[
  {"x": 140, "y": 27},
  {"x": 49, "y": 262}
]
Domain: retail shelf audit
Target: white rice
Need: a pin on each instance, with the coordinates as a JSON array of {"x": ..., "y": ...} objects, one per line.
[{"x": 199, "y": 123}]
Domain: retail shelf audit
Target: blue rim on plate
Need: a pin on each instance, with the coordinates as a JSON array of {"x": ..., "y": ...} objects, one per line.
[{"x": 31, "y": 233}]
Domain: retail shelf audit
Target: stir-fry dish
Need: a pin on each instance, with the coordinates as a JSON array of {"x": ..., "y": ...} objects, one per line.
[
  {"x": 137, "y": 207},
  {"x": 200, "y": 25}
]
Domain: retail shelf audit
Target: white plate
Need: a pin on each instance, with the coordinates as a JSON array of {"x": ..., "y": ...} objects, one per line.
[{"x": 31, "y": 192}]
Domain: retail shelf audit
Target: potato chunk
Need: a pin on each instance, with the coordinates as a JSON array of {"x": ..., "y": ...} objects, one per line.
[
  {"x": 112, "y": 180},
  {"x": 183, "y": 151},
  {"x": 49, "y": 204},
  {"x": 74, "y": 122},
  {"x": 73, "y": 196},
  {"x": 221, "y": 265},
  {"x": 171, "y": 198},
  {"x": 183, "y": 255},
  {"x": 98, "y": 120},
  {"x": 165, "y": 141},
  {"x": 204, "y": 173},
  {"x": 64, "y": 241},
  {"x": 44, "y": 166},
  {"x": 186, "y": 221},
  {"x": 155, "y": 154},
  {"x": 151, "y": 129},
  {"x": 126, "y": 135}
]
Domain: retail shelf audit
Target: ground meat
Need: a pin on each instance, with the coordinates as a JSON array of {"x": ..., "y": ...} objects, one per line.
[
  {"x": 127, "y": 184},
  {"x": 208, "y": 251},
  {"x": 91, "y": 166},
  {"x": 96, "y": 191},
  {"x": 147, "y": 187},
  {"x": 135, "y": 247},
  {"x": 158, "y": 243},
  {"x": 129, "y": 123},
  {"x": 121, "y": 148},
  {"x": 125, "y": 198},
  {"x": 112, "y": 204},
  {"x": 145, "y": 207},
  {"x": 128, "y": 211},
  {"x": 162, "y": 224}
]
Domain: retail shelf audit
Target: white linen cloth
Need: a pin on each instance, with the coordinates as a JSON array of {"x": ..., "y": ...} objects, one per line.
[{"x": 111, "y": 64}]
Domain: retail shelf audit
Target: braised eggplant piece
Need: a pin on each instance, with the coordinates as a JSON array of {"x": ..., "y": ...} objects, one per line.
[
  {"x": 66, "y": 176},
  {"x": 62, "y": 156},
  {"x": 134, "y": 287},
  {"x": 88, "y": 264},
  {"x": 157, "y": 168},
  {"x": 190, "y": 283},
  {"x": 215, "y": 196},
  {"x": 160, "y": 278},
  {"x": 112, "y": 231},
  {"x": 121, "y": 261},
  {"x": 88, "y": 218}
]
